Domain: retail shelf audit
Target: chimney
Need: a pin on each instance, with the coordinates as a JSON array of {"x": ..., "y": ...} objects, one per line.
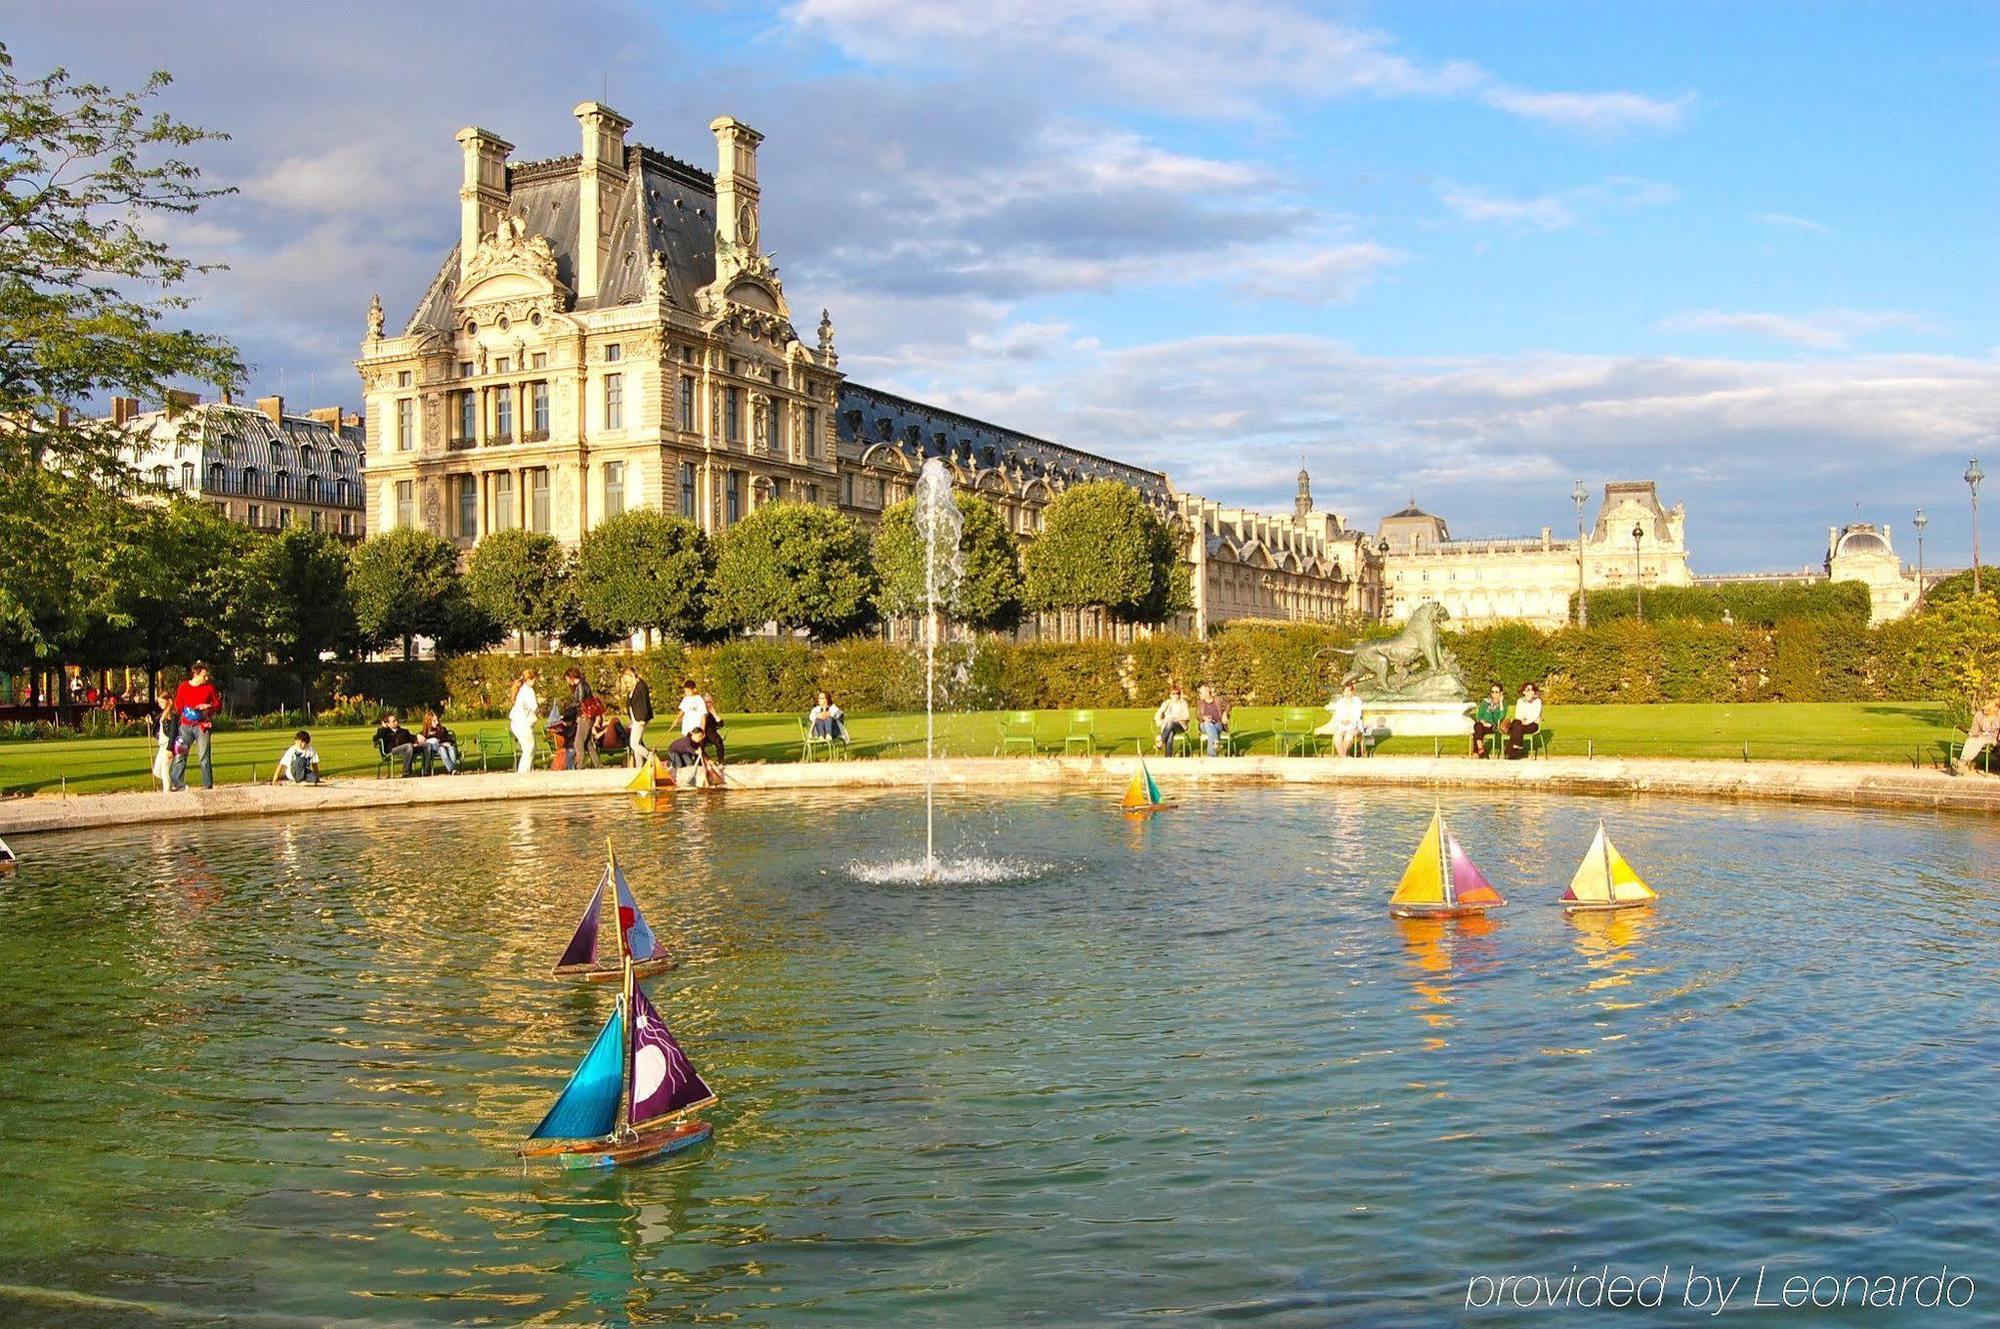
[
  {"x": 123, "y": 409},
  {"x": 735, "y": 191},
  {"x": 177, "y": 401},
  {"x": 326, "y": 415},
  {"x": 273, "y": 407},
  {"x": 599, "y": 182},
  {"x": 482, "y": 198}
]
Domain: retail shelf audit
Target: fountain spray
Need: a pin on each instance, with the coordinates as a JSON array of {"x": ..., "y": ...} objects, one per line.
[{"x": 939, "y": 526}]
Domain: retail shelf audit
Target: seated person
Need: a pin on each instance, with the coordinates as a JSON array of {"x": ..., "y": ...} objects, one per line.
[
  {"x": 560, "y": 730},
  {"x": 1981, "y": 734},
  {"x": 1170, "y": 718},
  {"x": 300, "y": 764},
  {"x": 827, "y": 720},
  {"x": 392, "y": 740},
  {"x": 1486, "y": 721},
  {"x": 1212, "y": 714},
  {"x": 1346, "y": 721},
  {"x": 441, "y": 741},
  {"x": 606, "y": 735},
  {"x": 1527, "y": 720}
]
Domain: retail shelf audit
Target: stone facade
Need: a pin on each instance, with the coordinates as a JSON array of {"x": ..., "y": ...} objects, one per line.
[
  {"x": 1304, "y": 566},
  {"x": 609, "y": 334},
  {"x": 1531, "y": 580},
  {"x": 262, "y": 468}
]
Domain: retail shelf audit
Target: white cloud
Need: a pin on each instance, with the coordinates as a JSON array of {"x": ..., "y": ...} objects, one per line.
[
  {"x": 1796, "y": 223},
  {"x": 1828, "y": 329},
  {"x": 1553, "y": 211},
  {"x": 1328, "y": 274},
  {"x": 1601, "y": 114}
]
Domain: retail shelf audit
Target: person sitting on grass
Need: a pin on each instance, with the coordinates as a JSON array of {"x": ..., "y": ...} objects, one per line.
[
  {"x": 1346, "y": 721},
  {"x": 1486, "y": 721},
  {"x": 606, "y": 736},
  {"x": 1527, "y": 720},
  {"x": 1212, "y": 714},
  {"x": 441, "y": 741},
  {"x": 826, "y": 720},
  {"x": 1981, "y": 734},
  {"x": 392, "y": 741},
  {"x": 300, "y": 764},
  {"x": 1171, "y": 718}
]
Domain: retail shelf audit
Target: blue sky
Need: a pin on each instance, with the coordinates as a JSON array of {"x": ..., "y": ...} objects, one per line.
[{"x": 1467, "y": 251}]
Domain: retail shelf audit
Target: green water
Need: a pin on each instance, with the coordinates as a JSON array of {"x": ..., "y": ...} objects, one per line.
[{"x": 1185, "y": 1068}]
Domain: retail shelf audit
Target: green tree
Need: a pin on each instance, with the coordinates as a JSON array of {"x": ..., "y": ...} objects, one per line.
[
  {"x": 406, "y": 585},
  {"x": 302, "y": 600},
  {"x": 521, "y": 580},
  {"x": 988, "y": 595},
  {"x": 1102, "y": 547},
  {"x": 643, "y": 571},
  {"x": 181, "y": 591},
  {"x": 1958, "y": 586},
  {"x": 85, "y": 288},
  {"x": 799, "y": 566}
]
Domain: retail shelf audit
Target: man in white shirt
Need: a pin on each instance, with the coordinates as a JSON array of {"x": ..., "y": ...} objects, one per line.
[
  {"x": 1346, "y": 721},
  {"x": 694, "y": 710},
  {"x": 1527, "y": 719}
]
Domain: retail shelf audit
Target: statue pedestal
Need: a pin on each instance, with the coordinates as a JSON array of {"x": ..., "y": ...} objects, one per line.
[{"x": 1419, "y": 719}]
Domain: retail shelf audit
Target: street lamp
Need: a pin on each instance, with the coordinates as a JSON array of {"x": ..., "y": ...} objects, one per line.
[
  {"x": 1638, "y": 576},
  {"x": 1920, "y": 521},
  {"x": 1973, "y": 475},
  {"x": 1580, "y": 496}
]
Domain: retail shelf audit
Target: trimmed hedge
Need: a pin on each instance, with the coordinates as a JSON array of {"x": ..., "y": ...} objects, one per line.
[
  {"x": 1749, "y": 603},
  {"x": 1953, "y": 651}
]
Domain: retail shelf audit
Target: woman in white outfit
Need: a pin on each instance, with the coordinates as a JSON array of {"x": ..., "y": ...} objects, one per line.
[{"x": 521, "y": 719}]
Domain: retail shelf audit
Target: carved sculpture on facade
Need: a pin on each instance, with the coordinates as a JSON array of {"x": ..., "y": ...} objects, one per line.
[
  {"x": 376, "y": 318},
  {"x": 827, "y": 355},
  {"x": 433, "y": 508}
]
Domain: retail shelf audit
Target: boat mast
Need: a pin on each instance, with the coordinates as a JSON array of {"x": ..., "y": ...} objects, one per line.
[
  {"x": 618, "y": 917},
  {"x": 623, "y": 1125},
  {"x": 1444, "y": 857},
  {"x": 1610, "y": 886}
]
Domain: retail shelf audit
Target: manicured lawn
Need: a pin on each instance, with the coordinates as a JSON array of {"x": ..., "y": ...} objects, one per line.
[{"x": 1833, "y": 731}]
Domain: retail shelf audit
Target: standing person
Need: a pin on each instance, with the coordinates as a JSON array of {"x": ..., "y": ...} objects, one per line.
[
  {"x": 711, "y": 727},
  {"x": 195, "y": 703},
  {"x": 1213, "y": 717},
  {"x": 693, "y": 709},
  {"x": 1527, "y": 720},
  {"x": 1170, "y": 718},
  {"x": 527, "y": 709},
  {"x": 1486, "y": 721},
  {"x": 638, "y": 710},
  {"x": 1346, "y": 720},
  {"x": 164, "y": 726}
]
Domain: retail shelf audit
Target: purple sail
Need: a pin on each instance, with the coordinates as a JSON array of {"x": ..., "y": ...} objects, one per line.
[
  {"x": 664, "y": 1081},
  {"x": 583, "y": 946}
]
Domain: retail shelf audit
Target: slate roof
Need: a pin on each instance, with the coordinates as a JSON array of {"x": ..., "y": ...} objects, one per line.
[{"x": 667, "y": 207}]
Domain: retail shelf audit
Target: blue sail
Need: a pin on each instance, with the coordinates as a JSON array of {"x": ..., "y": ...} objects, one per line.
[{"x": 588, "y": 1107}]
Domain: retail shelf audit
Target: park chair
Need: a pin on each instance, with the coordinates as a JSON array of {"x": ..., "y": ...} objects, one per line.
[
  {"x": 1082, "y": 732},
  {"x": 1955, "y": 745},
  {"x": 1295, "y": 730},
  {"x": 1017, "y": 730},
  {"x": 493, "y": 747},
  {"x": 831, "y": 746}
]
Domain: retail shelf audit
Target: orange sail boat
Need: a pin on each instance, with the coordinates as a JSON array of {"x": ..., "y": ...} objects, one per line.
[
  {"x": 1441, "y": 881},
  {"x": 1143, "y": 795},
  {"x": 1604, "y": 880}
]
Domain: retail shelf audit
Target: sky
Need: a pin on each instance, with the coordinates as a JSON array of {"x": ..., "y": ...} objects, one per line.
[{"x": 1468, "y": 253}]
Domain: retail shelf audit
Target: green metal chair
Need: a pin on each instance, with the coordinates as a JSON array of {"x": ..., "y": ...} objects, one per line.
[
  {"x": 492, "y": 747},
  {"x": 1295, "y": 730},
  {"x": 832, "y": 746},
  {"x": 1017, "y": 730},
  {"x": 1082, "y": 732}
]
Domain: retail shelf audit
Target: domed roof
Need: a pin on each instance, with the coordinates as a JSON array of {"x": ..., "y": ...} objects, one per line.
[{"x": 1862, "y": 540}]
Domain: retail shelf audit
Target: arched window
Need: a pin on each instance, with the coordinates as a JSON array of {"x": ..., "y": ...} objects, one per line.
[
  {"x": 187, "y": 475},
  {"x": 283, "y": 479},
  {"x": 252, "y": 482},
  {"x": 160, "y": 476},
  {"x": 312, "y": 489},
  {"x": 216, "y": 477},
  {"x": 340, "y": 492},
  {"x": 308, "y": 459}
]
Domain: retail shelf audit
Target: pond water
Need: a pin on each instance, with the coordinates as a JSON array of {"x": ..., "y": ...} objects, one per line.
[{"x": 272, "y": 1073}]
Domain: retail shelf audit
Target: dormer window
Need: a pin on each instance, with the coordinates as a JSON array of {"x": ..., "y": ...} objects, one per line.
[{"x": 614, "y": 353}]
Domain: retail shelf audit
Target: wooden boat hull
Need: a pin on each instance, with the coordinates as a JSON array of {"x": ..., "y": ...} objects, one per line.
[
  {"x": 598, "y": 973},
  {"x": 646, "y": 1146},
  {"x": 1602, "y": 906},
  {"x": 1148, "y": 810},
  {"x": 1439, "y": 910}
]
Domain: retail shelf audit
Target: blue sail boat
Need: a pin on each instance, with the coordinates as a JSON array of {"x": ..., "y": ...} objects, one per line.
[
  {"x": 587, "y": 957},
  {"x": 628, "y": 1099}
]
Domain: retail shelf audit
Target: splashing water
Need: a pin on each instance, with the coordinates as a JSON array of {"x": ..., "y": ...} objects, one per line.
[
  {"x": 931, "y": 871},
  {"x": 939, "y": 526}
]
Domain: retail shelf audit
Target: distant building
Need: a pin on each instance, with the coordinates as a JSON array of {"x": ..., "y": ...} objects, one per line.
[
  {"x": 1305, "y": 566},
  {"x": 1531, "y": 579},
  {"x": 1859, "y": 551},
  {"x": 262, "y": 467}
]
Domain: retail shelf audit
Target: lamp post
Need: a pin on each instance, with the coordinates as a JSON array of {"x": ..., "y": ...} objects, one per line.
[
  {"x": 1920, "y": 521},
  {"x": 1638, "y": 575},
  {"x": 1973, "y": 475},
  {"x": 1579, "y": 496}
]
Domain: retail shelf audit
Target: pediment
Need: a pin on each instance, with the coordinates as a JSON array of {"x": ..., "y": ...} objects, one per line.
[{"x": 512, "y": 267}]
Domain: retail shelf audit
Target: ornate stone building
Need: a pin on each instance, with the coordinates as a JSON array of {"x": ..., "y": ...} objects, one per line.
[
  {"x": 1859, "y": 551},
  {"x": 1531, "y": 580},
  {"x": 1305, "y": 566},
  {"x": 608, "y": 334},
  {"x": 261, "y": 468}
]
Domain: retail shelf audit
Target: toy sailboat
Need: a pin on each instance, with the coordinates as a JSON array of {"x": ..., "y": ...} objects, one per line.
[
  {"x": 635, "y": 940},
  {"x": 1143, "y": 795},
  {"x": 627, "y": 1098},
  {"x": 1604, "y": 880},
  {"x": 1441, "y": 882},
  {"x": 647, "y": 777},
  {"x": 7, "y": 859}
]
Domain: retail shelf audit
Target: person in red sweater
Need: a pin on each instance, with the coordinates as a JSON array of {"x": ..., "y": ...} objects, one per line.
[{"x": 195, "y": 704}]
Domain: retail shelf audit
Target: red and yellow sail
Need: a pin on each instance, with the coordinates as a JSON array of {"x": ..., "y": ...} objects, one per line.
[
  {"x": 1442, "y": 878},
  {"x": 1604, "y": 880}
]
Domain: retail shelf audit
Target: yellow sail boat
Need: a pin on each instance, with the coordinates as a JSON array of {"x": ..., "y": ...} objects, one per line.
[
  {"x": 1604, "y": 880},
  {"x": 1143, "y": 795},
  {"x": 1441, "y": 880}
]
